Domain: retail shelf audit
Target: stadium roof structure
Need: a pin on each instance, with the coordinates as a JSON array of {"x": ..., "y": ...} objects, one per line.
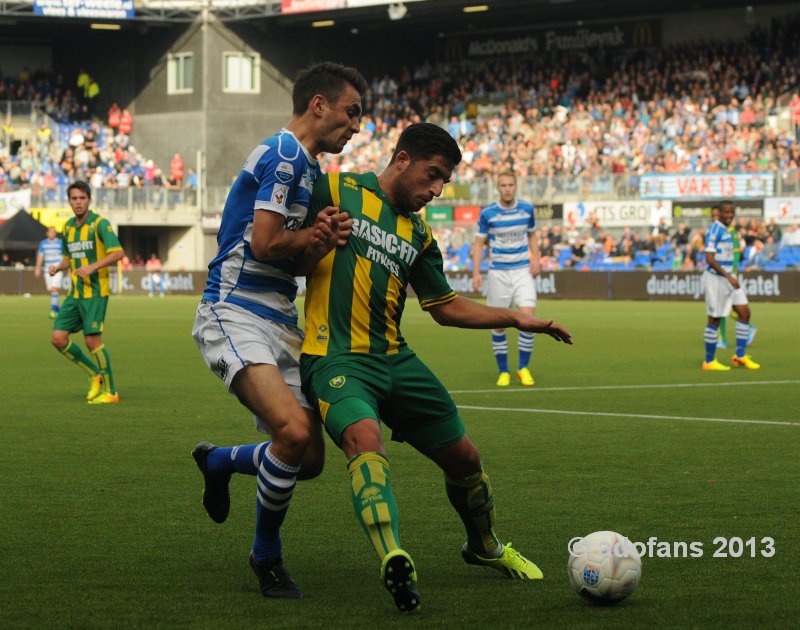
[{"x": 452, "y": 12}]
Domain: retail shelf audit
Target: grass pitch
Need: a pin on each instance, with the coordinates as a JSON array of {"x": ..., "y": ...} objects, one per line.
[{"x": 103, "y": 525}]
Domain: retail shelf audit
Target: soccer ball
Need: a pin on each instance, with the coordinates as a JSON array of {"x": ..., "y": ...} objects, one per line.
[{"x": 604, "y": 567}]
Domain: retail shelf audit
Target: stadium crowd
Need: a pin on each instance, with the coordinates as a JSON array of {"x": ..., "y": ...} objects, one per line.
[
  {"x": 764, "y": 246},
  {"x": 577, "y": 121},
  {"x": 581, "y": 117},
  {"x": 71, "y": 143},
  {"x": 593, "y": 114}
]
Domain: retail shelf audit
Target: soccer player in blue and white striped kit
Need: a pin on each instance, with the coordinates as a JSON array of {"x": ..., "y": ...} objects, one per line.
[
  {"x": 49, "y": 254},
  {"x": 722, "y": 291},
  {"x": 508, "y": 226},
  {"x": 246, "y": 324}
]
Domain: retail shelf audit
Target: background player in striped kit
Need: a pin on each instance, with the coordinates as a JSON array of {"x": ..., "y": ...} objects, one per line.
[
  {"x": 359, "y": 371},
  {"x": 722, "y": 291},
  {"x": 508, "y": 227},
  {"x": 246, "y": 323},
  {"x": 722, "y": 342},
  {"x": 50, "y": 253},
  {"x": 90, "y": 247}
]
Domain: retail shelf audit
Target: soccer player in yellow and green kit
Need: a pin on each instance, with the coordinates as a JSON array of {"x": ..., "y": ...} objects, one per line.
[
  {"x": 359, "y": 372},
  {"x": 90, "y": 248}
]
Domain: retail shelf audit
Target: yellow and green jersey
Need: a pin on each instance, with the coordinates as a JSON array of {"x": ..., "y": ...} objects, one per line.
[
  {"x": 84, "y": 245},
  {"x": 356, "y": 295}
]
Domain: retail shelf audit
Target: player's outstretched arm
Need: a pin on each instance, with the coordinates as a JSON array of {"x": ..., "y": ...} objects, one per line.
[{"x": 465, "y": 313}]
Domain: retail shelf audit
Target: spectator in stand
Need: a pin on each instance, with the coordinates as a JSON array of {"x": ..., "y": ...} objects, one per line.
[
  {"x": 111, "y": 187},
  {"x": 44, "y": 136},
  {"x": 792, "y": 236},
  {"x": 173, "y": 191},
  {"x": 126, "y": 122},
  {"x": 176, "y": 169},
  {"x": 154, "y": 278},
  {"x": 83, "y": 81},
  {"x": 795, "y": 114},
  {"x": 774, "y": 230},
  {"x": 123, "y": 188},
  {"x": 190, "y": 186},
  {"x": 92, "y": 91},
  {"x": 662, "y": 229},
  {"x": 680, "y": 239},
  {"x": 7, "y": 134},
  {"x": 770, "y": 251},
  {"x": 158, "y": 189},
  {"x": 114, "y": 114},
  {"x": 578, "y": 252},
  {"x": 754, "y": 257},
  {"x": 97, "y": 181}
]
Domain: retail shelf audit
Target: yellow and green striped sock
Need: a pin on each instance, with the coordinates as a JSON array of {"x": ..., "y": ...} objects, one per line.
[
  {"x": 472, "y": 499},
  {"x": 103, "y": 360},
  {"x": 373, "y": 501},
  {"x": 74, "y": 353}
]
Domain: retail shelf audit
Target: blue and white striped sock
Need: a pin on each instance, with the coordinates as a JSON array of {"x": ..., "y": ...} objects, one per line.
[
  {"x": 742, "y": 334},
  {"x": 240, "y": 459},
  {"x": 710, "y": 337},
  {"x": 276, "y": 482},
  {"x": 500, "y": 349},
  {"x": 525, "y": 344},
  {"x": 54, "y": 302}
]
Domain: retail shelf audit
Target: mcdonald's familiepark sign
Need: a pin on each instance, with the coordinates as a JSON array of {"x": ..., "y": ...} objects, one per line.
[{"x": 644, "y": 33}]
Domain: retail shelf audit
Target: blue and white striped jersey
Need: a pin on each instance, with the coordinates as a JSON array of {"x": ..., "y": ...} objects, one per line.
[
  {"x": 507, "y": 230},
  {"x": 278, "y": 176},
  {"x": 719, "y": 241},
  {"x": 51, "y": 251}
]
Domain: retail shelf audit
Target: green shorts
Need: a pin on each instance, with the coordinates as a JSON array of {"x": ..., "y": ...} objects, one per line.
[
  {"x": 396, "y": 389},
  {"x": 87, "y": 314}
]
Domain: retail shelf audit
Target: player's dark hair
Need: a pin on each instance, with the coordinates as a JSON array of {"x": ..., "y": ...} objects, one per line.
[
  {"x": 727, "y": 202},
  {"x": 82, "y": 186},
  {"x": 327, "y": 78},
  {"x": 422, "y": 141}
]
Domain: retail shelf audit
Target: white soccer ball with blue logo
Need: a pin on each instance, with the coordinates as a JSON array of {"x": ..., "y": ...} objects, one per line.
[{"x": 604, "y": 567}]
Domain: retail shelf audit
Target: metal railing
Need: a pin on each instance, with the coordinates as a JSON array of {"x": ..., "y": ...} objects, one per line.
[
  {"x": 157, "y": 199},
  {"x": 552, "y": 189}
]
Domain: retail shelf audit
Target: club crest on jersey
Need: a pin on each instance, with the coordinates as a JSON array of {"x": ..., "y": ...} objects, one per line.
[
  {"x": 279, "y": 192},
  {"x": 337, "y": 382},
  {"x": 284, "y": 172}
]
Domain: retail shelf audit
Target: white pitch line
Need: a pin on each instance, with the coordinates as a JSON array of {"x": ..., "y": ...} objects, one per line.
[
  {"x": 632, "y": 415},
  {"x": 529, "y": 390}
]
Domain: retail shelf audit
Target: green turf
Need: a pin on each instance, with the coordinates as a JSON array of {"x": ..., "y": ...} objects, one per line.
[{"x": 103, "y": 526}]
